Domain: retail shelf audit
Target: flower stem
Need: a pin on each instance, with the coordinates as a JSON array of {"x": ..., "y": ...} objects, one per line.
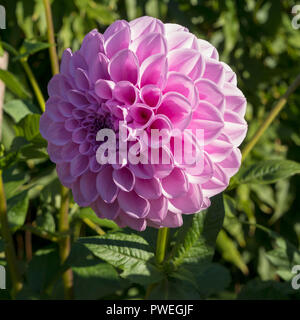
[
  {"x": 10, "y": 252},
  {"x": 273, "y": 114},
  {"x": 34, "y": 84},
  {"x": 51, "y": 40},
  {"x": 65, "y": 242},
  {"x": 161, "y": 245}
]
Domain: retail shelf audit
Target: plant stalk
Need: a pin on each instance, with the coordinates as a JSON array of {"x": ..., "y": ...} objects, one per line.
[
  {"x": 10, "y": 252},
  {"x": 51, "y": 39},
  {"x": 161, "y": 245},
  {"x": 273, "y": 114}
]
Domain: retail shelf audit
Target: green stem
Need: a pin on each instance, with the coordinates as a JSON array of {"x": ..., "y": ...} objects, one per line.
[
  {"x": 30, "y": 75},
  {"x": 34, "y": 84},
  {"x": 161, "y": 245},
  {"x": 51, "y": 39},
  {"x": 273, "y": 114},
  {"x": 10, "y": 252},
  {"x": 64, "y": 243}
]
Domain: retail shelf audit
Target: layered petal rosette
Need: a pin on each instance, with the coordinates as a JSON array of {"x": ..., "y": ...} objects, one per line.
[{"x": 140, "y": 76}]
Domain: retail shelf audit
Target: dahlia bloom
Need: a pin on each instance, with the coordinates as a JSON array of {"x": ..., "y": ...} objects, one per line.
[{"x": 148, "y": 75}]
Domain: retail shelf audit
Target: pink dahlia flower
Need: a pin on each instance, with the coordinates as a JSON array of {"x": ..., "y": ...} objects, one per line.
[{"x": 147, "y": 75}]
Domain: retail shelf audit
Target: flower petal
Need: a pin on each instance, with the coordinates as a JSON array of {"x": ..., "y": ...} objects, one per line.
[
  {"x": 105, "y": 185},
  {"x": 133, "y": 205}
]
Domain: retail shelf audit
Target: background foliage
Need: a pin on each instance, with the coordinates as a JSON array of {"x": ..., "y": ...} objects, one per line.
[{"x": 260, "y": 239}]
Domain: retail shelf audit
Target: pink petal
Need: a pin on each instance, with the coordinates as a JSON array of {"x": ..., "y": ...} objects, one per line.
[
  {"x": 69, "y": 151},
  {"x": 209, "y": 91},
  {"x": 209, "y": 119},
  {"x": 91, "y": 45},
  {"x": 153, "y": 70},
  {"x": 54, "y": 153},
  {"x": 232, "y": 163},
  {"x": 151, "y": 95},
  {"x": 177, "y": 108},
  {"x": 186, "y": 61},
  {"x": 65, "y": 61},
  {"x": 158, "y": 209},
  {"x": 124, "y": 179},
  {"x": 133, "y": 205},
  {"x": 64, "y": 175},
  {"x": 175, "y": 184},
  {"x": 214, "y": 71},
  {"x": 235, "y": 127},
  {"x": 145, "y": 25},
  {"x": 130, "y": 67},
  {"x": 79, "y": 165},
  {"x": 106, "y": 210},
  {"x": 189, "y": 203},
  {"x": 98, "y": 68},
  {"x": 105, "y": 185},
  {"x": 148, "y": 45},
  {"x": 172, "y": 220},
  {"x": 104, "y": 88},
  {"x": 117, "y": 41},
  {"x": 125, "y": 220},
  {"x": 181, "y": 40},
  {"x": 125, "y": 92},
  {"x": 88, "y": 186},
  {"x": 234, "y": 99},
  {"x": 148, "y": 188},
  {"x": 114, "y": 28},
  {"x": 182, "y": 84},
  {"x": 219, "y": 148},
  {"x": 207, "y": 49},
  {"x": 216, "y": 184},
  {"x": 77, "y": 98},
  {"x": 81, "y": 79},
  {"x": 79, "y": 135},
  {"x": 57, "y": 134},
  {"x": 141, "y": 114}
]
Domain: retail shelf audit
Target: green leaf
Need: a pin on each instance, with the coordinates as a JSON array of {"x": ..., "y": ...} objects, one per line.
[
  {"x": 13, "y": 180},
  {"x": 17, "y": 207},
  {"x": 89, "y": 271},
  {"x": 18, "y": 109},
  {"x": 90, "y": 214},
  {"x": 268, "y": 171},
  {"x": 284, "y": 256},
  {"x": 14, "y": 84},
  {"x": 231, "y": 223},
  {"x": 28, "y": 127},
  {"x": 29, "y": 48},
  {"x": 195, "y": 240},
  {"x": 128, "y": 252},
  {"x": 229, "y": 251},
  {"x": 43, "y": 267},
  {"x": 46, "y": 221}
]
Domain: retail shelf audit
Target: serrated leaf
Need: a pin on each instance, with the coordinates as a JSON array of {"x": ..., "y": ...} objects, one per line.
[
  {"x": 268, "y": 171},
  {"x": 129, "y": 252},
  {"x": 14, "y": 84},
  {"x": 195, "y": 240},
  {"x": 93, "y": 278}
]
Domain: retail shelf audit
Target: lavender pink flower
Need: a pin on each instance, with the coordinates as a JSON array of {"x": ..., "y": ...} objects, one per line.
[{"x": 148, "y": 75}]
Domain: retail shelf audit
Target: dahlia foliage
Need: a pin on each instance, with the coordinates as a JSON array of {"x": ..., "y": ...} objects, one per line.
[{"x": 144, "y": 75}]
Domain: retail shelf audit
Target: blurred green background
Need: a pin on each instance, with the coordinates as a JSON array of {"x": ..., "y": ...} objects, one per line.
[{"x": 257, "y": 40}]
